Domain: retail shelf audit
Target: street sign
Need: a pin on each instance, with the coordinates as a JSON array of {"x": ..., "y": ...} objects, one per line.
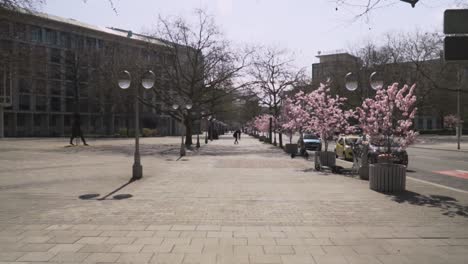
[
  {"x": 456, "y": 29},
  {"x": 456, "y": 48},
  {"x": 456, "y": 21}
]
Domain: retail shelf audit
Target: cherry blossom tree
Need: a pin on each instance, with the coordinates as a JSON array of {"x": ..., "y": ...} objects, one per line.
[
  {"x": 293, "y": 116},
  {"x": 262, "y": 123},
  {"x": 389, "y": 116},
  {"x": 450, "y": 121},
  {"x": 325, "y": 114}
]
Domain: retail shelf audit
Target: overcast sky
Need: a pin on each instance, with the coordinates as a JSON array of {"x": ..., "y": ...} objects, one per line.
[{"x": 302, "y": 26}]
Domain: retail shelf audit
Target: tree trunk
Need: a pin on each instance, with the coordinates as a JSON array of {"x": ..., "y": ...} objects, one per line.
[
  {"x": 188, "y": 131},
  {"x": 280, "y": 140}
]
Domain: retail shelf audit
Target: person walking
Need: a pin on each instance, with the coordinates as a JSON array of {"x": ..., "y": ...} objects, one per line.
[
  {"x": 236, "y": 135},
  {"x": 76, "y": 130}
]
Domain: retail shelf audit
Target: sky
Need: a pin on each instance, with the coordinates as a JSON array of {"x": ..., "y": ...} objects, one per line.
[{"x": 304, "y": 27}]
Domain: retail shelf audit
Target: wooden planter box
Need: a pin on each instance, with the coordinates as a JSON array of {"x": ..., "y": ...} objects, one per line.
[
  {"x": 386, "y": 177},
  {"x": 290, "y": 148},
  {"x": 325, "y": 158}
]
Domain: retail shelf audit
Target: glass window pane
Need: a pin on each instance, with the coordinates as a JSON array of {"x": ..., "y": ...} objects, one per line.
[
  {"x": 24, "y": 85},
  {"x": 36, "y": 34},
  {"x": 83, "y": 90},
  {"x": 54, "y": 71},
  {"x": 25, "y": 102},
  {"x": 55, "y": 104},
  {"x": 55, "y": 56},
  {"x": 70, "y": 105},
  {"x": 41, "y": 87},
  {"x": 41, "y": 103},
  {"x": 55, "y": 88},
  {"x": 83, "y": 105},
  {"x": 69, "y": 89},
  {"x": 20, "y": 31},
  {"x": 4, "y": 28},
  {"x": 51, "y": 37}
]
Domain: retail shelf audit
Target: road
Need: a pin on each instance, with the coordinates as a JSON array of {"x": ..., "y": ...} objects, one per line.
[
  {"x": 444, "y": 167},
  {"x": 439, "y": 166}
]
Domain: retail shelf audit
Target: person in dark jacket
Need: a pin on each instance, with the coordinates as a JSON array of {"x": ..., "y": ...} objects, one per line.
[
  {"x": 236, "y": 137},
  {"x": 76, "y": 129}
]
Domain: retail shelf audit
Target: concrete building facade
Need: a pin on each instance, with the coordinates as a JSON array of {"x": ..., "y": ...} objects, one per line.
[
  {"x": 56, "y": 67},
  {"x": 435, "y": 86}
]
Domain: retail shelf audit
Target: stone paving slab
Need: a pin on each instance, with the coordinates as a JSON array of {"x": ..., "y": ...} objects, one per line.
[{"x": 246, "y": 203}]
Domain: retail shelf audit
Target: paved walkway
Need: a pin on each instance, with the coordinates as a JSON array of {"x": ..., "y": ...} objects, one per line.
[{"x": 246, "y": 203}]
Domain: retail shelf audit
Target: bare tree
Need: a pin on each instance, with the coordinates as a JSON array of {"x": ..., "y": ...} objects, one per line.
[
  {"x": 362, "y": 9},
  {"x": 33, "y": 5},
  {"x": 21, "y": 4},
  {"x": 199, "y": 68},
  {"x": 274, "y": 75},
  {"x": 414, "y": 57}
]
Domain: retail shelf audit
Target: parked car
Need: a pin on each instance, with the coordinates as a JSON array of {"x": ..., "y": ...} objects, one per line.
[
  {"x": 312, "y": 142},
  {"x": 398, "y": 154},
  {"x": 344, "y": 146}
]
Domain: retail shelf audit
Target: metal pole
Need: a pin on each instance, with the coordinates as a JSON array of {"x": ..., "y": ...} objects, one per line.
[
  {"x": 137, "y": 168},
  {"x": 198, "y": 132},
  {"x": 1, "y": 122},
  {"x": 459, "y": 128},
  {"x": 182, "y": 147}
]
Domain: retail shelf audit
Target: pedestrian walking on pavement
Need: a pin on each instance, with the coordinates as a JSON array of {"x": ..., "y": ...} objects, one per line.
[
  {"x": 76, "y": 129},
  {"x": 236, "y": 137}
]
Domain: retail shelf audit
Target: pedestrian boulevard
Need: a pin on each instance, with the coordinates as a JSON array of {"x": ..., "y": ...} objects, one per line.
[{"x": 224, "y": 203}]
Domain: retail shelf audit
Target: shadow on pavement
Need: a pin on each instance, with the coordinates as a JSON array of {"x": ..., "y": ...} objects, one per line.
[
  {"x": 93, "y": 196},
  {"x": 448, "y": 206},
  {"x": 122, "y": 196},
  {"x": 88, "y": 196}
]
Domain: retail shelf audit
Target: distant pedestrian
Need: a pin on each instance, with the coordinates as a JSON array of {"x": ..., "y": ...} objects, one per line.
[
  {"x": 76, "y": 130},
  {"x": 240, "y": 132},
  {"x": 236, "y": 137}
]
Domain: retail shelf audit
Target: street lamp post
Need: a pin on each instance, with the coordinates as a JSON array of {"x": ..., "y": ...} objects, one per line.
[
  {"x": 199, "y": 129},
  {"x": 188, "y": 107},
  {"x": 351, "y": 84},
  {"x": 147, "y": 81}
]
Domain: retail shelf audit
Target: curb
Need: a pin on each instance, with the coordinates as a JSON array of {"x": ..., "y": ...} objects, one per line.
[{"x": 453, "y": 150}]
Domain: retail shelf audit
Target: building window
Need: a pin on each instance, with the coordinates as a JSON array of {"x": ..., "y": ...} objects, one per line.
[
  {"x": 24, "y": 102},
  {"x": 84, "y": 90},
  {"x": 65, "y": 40},
  {"x": 41, "y": 103},
  {"x": 36, "y": 34},
  {"x": 69, "y": 105},
  {"x": 66, "y": 120},
  {"x": 37, "y": 120},
  {"x": 20, "y": 31},
  {"x": 41, "y": 87},
  {"x": 70, "y": 73},
  {"x": 91, "y": 43},
  {"x": 55, "y": 104},
  {"x": 69, "y": 89},
  {"x": 4, "y": 28},
  {"x": 79, "y": 42},
  {"x": 21, "y": 120},
  {"x": 51, "y": 37},
  {"x": 429, "y": 123},
  {"x": 84, "y": 106},
  {"x": 54, "y": 71},
  {"x": 55, "y": 88},
  {"x": 421, "y": 123},
  {"x": 55, "y": 56},
  {"x": 24, "y": 85},
  {"x": 53, "y": 120}
]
